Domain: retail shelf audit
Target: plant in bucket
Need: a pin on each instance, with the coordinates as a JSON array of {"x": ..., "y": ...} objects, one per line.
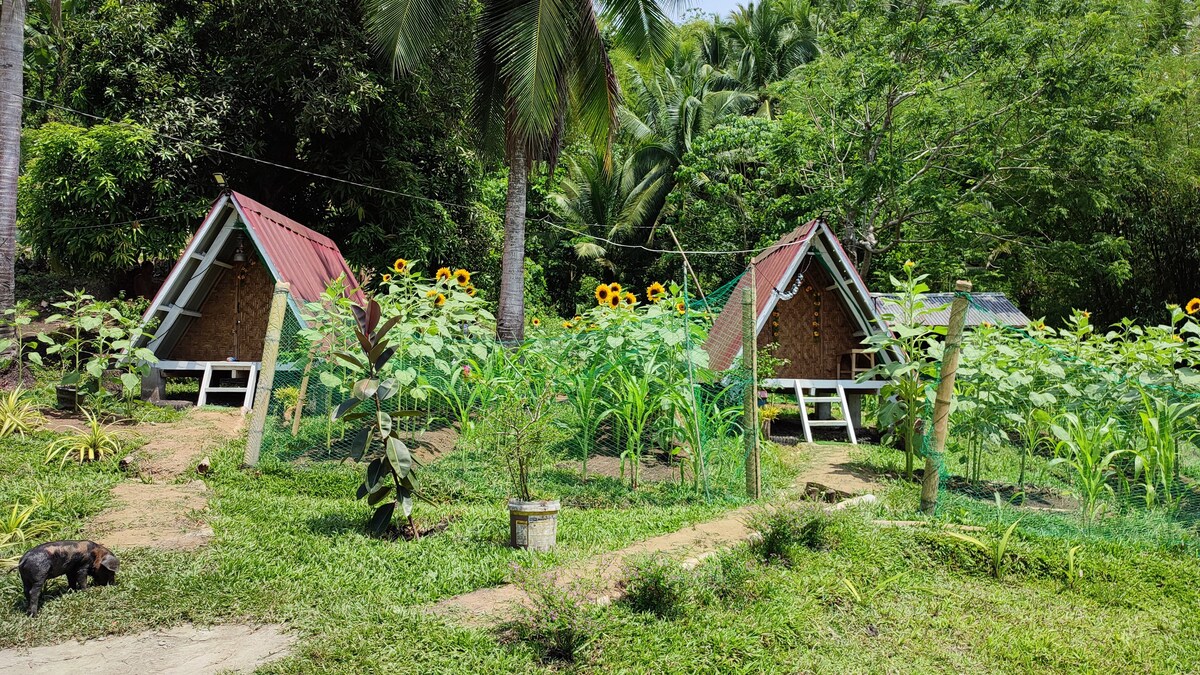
[{"x": 521, "y": 432}]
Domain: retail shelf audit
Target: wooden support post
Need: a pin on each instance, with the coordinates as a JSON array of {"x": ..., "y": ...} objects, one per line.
[
  {"x": 750, "y": 361},
  {"x": 945, "y": 393},
  {"x": 266, "y": 375}
]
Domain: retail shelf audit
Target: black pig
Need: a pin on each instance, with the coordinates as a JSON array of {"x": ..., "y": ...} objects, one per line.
[{"x": 76, "y": 559}]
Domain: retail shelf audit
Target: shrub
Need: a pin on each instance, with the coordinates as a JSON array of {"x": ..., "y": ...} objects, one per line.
[
  {"x": 558, "y": 621},
  {"x": 658, "y": 586},
  {"x": 787, "y": 528},
  {"x": 17, "y": 415},
  {"x": 92, "y": 443}
]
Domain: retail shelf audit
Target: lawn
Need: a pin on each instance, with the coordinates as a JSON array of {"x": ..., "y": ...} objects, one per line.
[{"x": 291, "y": 548}]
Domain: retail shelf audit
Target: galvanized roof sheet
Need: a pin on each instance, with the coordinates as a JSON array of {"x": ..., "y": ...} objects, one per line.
[{"x": 994, "y": 308}]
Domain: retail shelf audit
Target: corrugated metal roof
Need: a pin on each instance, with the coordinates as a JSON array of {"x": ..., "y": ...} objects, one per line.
[
  {"x": 303, "y": 258},
  {"x": 770, "y": 267},
  {"x": 994, "y": 308}
]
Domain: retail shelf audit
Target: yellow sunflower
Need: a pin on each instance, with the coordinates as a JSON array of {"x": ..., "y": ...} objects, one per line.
[
  {"x": 602, "y": 293},
  {"x": 431, "y": 293},
  {"x": 1193, "y": 306},
  {"x": 655, "y": 292},
  {"x": 577, "y": 318},
  {"x": 681, "y": 307},
  {"x": 439, "y": 300},
  {"x": 629, "y": 300},
  {"x": 387, "y": 278},
  {"x": 1085, "y": 314},
  {"x": 615, "y": 287},
  {"x": 462, "y": 277},
  {"x": 908, "y": 264},
  {"x": 535, "y": 322},
  {"x": 614, "y": 301},
  {"x": 400, "y": 266},
  {"x": 471, "y": 291},
  {"x": 443, "y": 274},
  {"x": 568, "y": 325}
]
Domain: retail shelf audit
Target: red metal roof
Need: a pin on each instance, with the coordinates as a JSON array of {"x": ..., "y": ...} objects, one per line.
[
  {"x": 305, "y": 259},
  {"x": 770, "y": 267}
]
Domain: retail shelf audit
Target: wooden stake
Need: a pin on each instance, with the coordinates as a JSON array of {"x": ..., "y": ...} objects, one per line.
[
  {"x": 945, "y": 393},
  {"x": 266, "y": 373},
  {"x": 750, "y": 361},
  {"x": 303, "y": 392}
]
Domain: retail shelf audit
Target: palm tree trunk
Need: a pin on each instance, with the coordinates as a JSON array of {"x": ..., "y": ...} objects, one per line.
[
  {"x": 510, "y": 323},
  {"x": 12, "y": 56}
]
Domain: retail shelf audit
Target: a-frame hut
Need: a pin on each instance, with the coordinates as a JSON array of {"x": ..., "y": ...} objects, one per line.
[
  {"x": 812, "y": 304},
  {"x": 212, "y": 309}
]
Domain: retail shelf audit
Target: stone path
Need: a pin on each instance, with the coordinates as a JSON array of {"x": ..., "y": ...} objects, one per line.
[
  {"x": 829, "y": 471},
  {"x": 183, "y": 650}
]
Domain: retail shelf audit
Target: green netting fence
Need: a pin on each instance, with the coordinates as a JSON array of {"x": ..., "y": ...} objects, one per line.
[
  {"x": 1082, "y": 431},
  {"x": 630, "y": 384}
]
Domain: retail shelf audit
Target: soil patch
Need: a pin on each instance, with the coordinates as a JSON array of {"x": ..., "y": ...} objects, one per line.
[
  {"x": 165, "y": 516},
  {"x": 183, "y": 650},
  {"x": 653, "y": 468}
]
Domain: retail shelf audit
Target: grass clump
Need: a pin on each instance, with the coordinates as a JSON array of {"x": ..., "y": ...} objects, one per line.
[
  {"x": 785, "y": 529},
  {"x": 658, "y": 586},
  {"x": 558, "y": 622}
]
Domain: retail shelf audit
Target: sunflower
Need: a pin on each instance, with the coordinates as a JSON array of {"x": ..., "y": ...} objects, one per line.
[
  {"x": 615, "y": 288},
  {"x": 400, "y": 266},
  {"x": 1085, "y": 314},
  {"x": 629, "y": 300},
  {"x": 387, "y": 278},
  {"x": 655, "y": 292},
  {"x": 577, "y": 318},
  {"x": 614, "y": 301},
  {"x": 462, "y": 277},
  {"x": 908, "y": 264},
  {"x": 443, "y": 274},
  {"x": 471, "y": 291},
  {"x": 1193, "y": 306},
  {"x": 431, "y": 293},
  {"x": 602, "y": 293},
  {"x": 439, "y": 300},
  {"x": 681, "y": 307},
  {"x": 568, "y": 325},
  {"x": 535, "y": 322}
]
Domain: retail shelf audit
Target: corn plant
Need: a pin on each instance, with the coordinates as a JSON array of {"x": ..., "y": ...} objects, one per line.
[
  {"x": 997, "y": 551},
  {"x": 17, "y": 415},
  {"x": 395, "y": 462},
  {"x": 1074, "y": 572},
  {"x": 1165, "y": 432},
  {"x": 92, "y": 443},
  {"x": 1085, "y": 448},
  {"x": 584, "y": 391},
  {"x": 635, "y": 402}
]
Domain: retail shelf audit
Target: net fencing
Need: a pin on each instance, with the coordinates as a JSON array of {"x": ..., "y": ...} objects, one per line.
[
  {"x": 632, "y": 395},
  {"x": 1091, "y": 431}
]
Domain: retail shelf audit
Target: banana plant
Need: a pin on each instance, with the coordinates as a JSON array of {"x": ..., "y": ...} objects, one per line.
[{"x": 392, "y": 472}]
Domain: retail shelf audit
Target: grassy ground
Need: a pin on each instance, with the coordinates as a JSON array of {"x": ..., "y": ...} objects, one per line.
[{"x": 290, "y": 547}]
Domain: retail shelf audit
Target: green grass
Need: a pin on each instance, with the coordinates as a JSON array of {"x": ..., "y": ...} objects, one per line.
[{"x": 291, "y": 548}]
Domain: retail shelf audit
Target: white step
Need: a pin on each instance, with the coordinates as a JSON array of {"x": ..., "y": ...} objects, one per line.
[
  {"x": 822, "y": 399},
  {"x": 827, "y": 423},
  {"x": 227, "y": 390}
]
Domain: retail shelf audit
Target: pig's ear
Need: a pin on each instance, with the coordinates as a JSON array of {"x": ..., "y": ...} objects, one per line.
[{"x": 110, "y": 563}]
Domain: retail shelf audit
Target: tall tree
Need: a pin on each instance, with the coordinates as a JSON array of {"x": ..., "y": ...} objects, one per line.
[
  {"x": 532, "y": 59},
  {"x": 12, "y": 87},
  {"x": 765, "y": 43}
]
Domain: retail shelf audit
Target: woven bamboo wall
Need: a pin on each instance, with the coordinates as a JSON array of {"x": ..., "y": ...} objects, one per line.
[
  {"x": 813, "y": 329},
  {"x": 233, "y": 318}
]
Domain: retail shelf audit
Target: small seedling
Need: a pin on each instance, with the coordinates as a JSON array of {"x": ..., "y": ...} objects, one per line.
[{"x": 997, "y": 550}]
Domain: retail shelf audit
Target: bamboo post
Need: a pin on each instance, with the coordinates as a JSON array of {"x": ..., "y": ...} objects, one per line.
[
  {"x": 945, "y": 393},
  {"x": 266, "y": 373},
  {"x": 303, "y": 392},
  {"x": 750, "y": 361}
]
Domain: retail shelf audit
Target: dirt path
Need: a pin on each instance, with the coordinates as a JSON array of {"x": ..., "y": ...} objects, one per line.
[
  {"x": 828, "y": 474},
  {"x": 155, "y": 509},
  {"x": 183, "y": 650}
]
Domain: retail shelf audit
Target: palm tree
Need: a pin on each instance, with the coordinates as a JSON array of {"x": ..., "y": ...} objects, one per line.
[
  {"x": 766, "y": 42},
  {"x": 533, "y": 58},
  {"x": 686, "y": 98},
  {"x": 591, "y": 199},
  {"x": 12, "y": 88}
]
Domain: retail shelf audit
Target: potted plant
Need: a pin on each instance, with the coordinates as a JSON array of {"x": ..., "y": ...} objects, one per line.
[{"x": 521, "y": 432}]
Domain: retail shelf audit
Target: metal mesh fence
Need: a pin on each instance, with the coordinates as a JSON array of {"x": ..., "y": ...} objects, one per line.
[
  {"x": 1089, "y": 431},
  {"x": 630, "y": 381}
]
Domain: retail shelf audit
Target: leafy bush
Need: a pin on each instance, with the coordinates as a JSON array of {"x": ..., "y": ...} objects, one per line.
[
  {"x": 657, "y": 585},
  {"x": 17, "y": 529}
]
